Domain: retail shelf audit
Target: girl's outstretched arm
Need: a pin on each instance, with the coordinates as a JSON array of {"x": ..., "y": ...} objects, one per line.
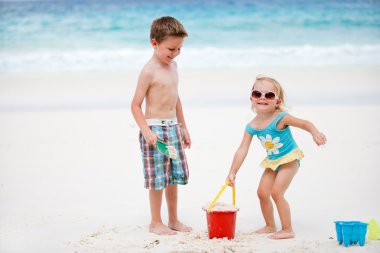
[
  {"x": 239, "y": 157},
  {"x": 318, "y": 137}
]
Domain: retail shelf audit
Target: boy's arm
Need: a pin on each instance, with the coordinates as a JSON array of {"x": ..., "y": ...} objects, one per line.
[
  {"x": 140, "y": 93},
  {"x": 181, "y": 119},
  {"x": 318, "y": 137}
]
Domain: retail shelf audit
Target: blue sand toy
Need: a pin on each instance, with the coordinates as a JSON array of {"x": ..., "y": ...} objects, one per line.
[{"x": 351, "y": 232}]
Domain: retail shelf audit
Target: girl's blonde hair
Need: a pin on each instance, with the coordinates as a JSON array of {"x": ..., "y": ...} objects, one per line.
[{"x": 279, "y": 90}]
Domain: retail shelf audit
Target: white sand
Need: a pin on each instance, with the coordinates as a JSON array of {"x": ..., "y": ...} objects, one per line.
[
  {"x": 220, "y": 206},
  {"x": 71, "y": 180}
]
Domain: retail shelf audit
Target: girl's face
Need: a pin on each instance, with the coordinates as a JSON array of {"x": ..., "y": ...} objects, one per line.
[
  {"x": 168, "y": 49},
  {"x": 264, "y": 97}
]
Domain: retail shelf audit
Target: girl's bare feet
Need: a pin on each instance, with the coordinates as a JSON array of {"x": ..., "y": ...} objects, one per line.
[
  {"x": 266, "y": 230},
  {"x": 161, "y": 229},
  {"x": 178, "y": 226},
  {"x": 282, "y": 234}
]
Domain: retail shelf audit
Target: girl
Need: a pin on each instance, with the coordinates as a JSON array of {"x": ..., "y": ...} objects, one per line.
[{"x": 271, "y": 125}]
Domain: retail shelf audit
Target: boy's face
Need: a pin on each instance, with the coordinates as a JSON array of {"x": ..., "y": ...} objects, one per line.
[{"x": 168, "y": 49}]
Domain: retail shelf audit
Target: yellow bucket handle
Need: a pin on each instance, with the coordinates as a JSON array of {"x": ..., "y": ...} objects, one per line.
[{"x": 220, "y": 193}]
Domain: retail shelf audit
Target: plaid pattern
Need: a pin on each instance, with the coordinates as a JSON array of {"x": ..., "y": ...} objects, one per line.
[{"x": 159, "y": 170}]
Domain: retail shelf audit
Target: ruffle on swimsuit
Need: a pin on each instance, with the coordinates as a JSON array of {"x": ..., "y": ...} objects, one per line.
[{"x": 295, "y": 154}]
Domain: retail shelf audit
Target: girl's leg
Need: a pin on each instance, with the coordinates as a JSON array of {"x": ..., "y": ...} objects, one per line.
[
  {"x": 264, "y": 192},
  {"x": 171, "y": 194},
  {"x": 156, "y": 226},
  {"x": 284, "y": 177}
]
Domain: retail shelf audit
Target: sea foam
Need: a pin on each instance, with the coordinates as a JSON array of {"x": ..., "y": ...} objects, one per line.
[{"x": 191, "y": 57}]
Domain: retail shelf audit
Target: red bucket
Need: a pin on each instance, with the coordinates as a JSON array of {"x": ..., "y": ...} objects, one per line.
[{"x": 221, "y": 224}]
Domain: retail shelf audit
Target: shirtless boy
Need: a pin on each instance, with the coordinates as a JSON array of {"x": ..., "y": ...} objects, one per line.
[{"x": 163, "y": 119}]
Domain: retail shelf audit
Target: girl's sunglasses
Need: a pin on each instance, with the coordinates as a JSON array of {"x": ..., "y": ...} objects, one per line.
[{"x": 268, "y": 95}]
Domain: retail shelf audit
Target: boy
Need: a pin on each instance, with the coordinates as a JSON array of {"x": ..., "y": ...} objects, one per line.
[{"x": 164, "y": 119}]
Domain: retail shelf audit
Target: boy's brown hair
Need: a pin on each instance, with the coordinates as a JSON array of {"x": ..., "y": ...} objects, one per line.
[{"x": 166, "y": 26}]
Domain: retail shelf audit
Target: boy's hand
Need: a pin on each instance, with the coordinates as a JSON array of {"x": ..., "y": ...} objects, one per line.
[
  {"x": 186, "y": 138},
  {"x": 151, "y": 138},
  {"x": 319, "y": 138}
]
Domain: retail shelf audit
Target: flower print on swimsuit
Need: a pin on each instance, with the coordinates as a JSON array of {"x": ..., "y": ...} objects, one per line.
[{"x": 271, "y": 145}]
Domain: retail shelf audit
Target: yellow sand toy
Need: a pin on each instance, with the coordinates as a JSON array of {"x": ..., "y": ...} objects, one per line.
[
  {"x": 220, "y": 193},
  {"x": 373, "y": 230}
]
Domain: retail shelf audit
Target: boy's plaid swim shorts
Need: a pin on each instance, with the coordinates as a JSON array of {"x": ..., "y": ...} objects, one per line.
[{"x": 160, "y": 170}]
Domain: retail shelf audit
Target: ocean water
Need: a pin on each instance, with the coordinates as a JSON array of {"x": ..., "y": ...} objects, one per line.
[{"x": 91, "y": 35}]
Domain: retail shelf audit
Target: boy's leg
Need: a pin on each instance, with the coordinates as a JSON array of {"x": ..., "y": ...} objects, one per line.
[
  {"x": 155, "y": 164},
  {"x": 179, "y": 174},
  {"x": 171, "y": 194},
  {"x": 156, "y": 226},
  {"x": 281, "y": 184},
  {"x": 264, "y": 192}
]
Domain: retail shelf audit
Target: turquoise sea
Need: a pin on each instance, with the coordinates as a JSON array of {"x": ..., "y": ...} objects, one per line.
[{"x": 89, "y": 35}]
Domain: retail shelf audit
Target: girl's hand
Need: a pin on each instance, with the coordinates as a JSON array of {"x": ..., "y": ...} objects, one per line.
[
  {"x": 231, "y": 177},
  {"x": 319, "y": 138},
  {"x": 186, "y": 138}
]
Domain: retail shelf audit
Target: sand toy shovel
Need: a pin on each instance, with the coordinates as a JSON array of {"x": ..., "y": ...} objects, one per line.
[
  {"x": 221, "y": 224},
  {"x": 167, "y": 150}
]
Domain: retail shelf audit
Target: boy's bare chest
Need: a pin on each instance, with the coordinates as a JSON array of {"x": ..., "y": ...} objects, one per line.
[
  {"x": 165, "y": 78},
  {"x": 165, "y": 82}
]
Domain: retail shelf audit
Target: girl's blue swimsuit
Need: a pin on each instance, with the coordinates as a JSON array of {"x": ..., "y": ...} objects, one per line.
[{"x": 280, "y": 145}]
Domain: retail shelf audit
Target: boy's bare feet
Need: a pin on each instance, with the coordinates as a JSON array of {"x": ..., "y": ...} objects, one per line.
[
  {"x": 282, "y": 234},
  {"x": 161, "y": 229},
  {"x": 178, "y": 226},
  {"x": 266, "y": 230}
]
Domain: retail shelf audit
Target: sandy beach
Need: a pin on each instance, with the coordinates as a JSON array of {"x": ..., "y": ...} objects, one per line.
[{"x": 71, "y": 175}]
